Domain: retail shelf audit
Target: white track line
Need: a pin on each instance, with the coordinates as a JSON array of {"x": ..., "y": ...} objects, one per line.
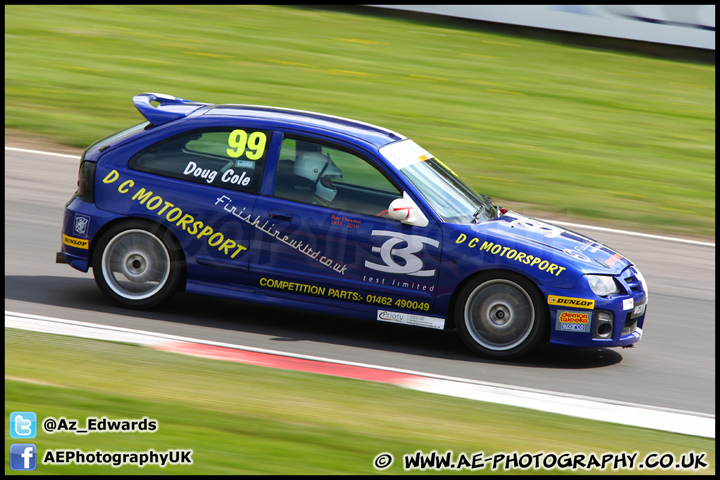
[
  {"x": 590, "y": 227},
  {"x": 40, "y": 152},
  {"x": 644, "y": 416},
  {"x": 636, "y": 234}
]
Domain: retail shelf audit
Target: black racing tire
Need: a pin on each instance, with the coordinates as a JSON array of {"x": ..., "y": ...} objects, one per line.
[
  {"x": 138, "y": 264},
  {"x": 500, "y": 315}
]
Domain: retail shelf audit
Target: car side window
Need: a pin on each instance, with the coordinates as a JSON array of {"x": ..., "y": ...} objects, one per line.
[
  {"x": 319, "y": 174},
  {"x": 231, "y": 158}
]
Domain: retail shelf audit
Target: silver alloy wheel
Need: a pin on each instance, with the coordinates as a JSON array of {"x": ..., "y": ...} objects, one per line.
[
  {"x": 499, "y": 315},
  {"x": 135, "y": 264}
]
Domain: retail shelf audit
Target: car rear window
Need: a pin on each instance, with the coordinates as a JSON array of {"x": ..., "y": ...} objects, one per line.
[{"x": 231, "y": 158}]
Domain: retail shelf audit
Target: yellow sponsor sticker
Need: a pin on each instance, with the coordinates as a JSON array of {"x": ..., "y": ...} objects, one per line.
[
  {"x": 571, "y": 302},
  {"x": 76, "y": 242}
]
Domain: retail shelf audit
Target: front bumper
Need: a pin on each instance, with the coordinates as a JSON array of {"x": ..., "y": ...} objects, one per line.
[{"x": 613, "y": 321}]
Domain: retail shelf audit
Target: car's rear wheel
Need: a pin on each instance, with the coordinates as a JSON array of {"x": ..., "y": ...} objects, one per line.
[
  {"x": 137, "y": 264},
  {"x": 500, "y": 315}
]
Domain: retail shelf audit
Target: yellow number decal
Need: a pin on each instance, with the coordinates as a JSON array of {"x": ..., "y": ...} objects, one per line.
[
  {"x": 239, "y": 140},
  {"x": 256, "y": 143}
]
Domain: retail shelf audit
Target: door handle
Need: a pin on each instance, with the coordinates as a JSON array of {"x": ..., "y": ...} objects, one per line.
[{"x": 280, "y": 215}]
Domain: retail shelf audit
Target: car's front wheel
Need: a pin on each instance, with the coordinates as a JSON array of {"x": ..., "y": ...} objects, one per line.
[
  {"x": 500, "y": 315},
  {"x": 137, "y": 264}
]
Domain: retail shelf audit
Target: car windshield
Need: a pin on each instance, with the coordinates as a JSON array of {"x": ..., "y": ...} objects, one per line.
[{"x": 450, "y": 197}]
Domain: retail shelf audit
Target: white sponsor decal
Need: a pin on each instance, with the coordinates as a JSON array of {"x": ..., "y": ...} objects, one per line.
[
  {"x": 412, "y": 265},
  {"x": 411, "y": 319},
  {"x": 405, "y": 153},
  {"x": 533, "y": 225},
  {"x": 81, "y": 225},
  {"x": 628, "y": 304},
  {"x": 277, "y": 234}
]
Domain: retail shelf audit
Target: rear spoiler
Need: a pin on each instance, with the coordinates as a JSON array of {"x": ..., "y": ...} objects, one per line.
[{"x": 170, "y": 108}]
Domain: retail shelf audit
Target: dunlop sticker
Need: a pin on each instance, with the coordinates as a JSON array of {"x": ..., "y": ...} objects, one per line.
[
  {"x": 571, "y": 302},
  {"x": 76, "y": 242}
]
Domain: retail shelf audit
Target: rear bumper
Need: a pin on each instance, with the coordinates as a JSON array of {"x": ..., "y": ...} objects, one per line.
[{"x": 82, "y": 222}]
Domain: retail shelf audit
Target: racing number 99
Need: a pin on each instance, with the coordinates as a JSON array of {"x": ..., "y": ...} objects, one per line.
[{"x": 239, "y": 141}]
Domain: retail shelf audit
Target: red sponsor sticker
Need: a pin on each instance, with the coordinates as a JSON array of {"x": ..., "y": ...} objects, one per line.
[
  {"x": 574, "y": 317},
  {"x": 612, "y": 260}
]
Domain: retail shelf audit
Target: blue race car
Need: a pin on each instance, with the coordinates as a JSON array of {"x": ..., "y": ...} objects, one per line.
[{"x": 326, "y": 214}]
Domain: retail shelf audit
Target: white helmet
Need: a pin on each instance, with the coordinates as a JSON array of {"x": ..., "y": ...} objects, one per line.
[{"x": 319, "y": 169}]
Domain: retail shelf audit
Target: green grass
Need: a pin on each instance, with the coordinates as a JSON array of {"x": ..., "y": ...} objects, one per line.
[
  {"x": 545, "y": 128},
  {"x": 243, "y": 419}
]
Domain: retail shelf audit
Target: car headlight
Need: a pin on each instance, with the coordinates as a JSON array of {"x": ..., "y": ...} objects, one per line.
[{"x": 602, "y": 285}]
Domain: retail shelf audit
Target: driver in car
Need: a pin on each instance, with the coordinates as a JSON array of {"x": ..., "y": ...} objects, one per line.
[{"x": 319, "y": 169}]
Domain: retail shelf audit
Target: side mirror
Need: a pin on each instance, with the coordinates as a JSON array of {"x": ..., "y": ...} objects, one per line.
[{"x": 406, "y": 211}]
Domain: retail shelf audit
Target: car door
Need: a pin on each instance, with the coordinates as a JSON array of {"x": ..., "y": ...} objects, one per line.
[{"x": 333, "y": 240}]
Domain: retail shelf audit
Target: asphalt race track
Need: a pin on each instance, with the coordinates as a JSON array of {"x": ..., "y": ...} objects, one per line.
[{"x": 673, "y": 366}]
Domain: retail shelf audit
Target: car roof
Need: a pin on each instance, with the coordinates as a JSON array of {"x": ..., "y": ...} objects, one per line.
[
  {"x": 378, "y": 136},
  {"x": 168, "y": 109}
]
